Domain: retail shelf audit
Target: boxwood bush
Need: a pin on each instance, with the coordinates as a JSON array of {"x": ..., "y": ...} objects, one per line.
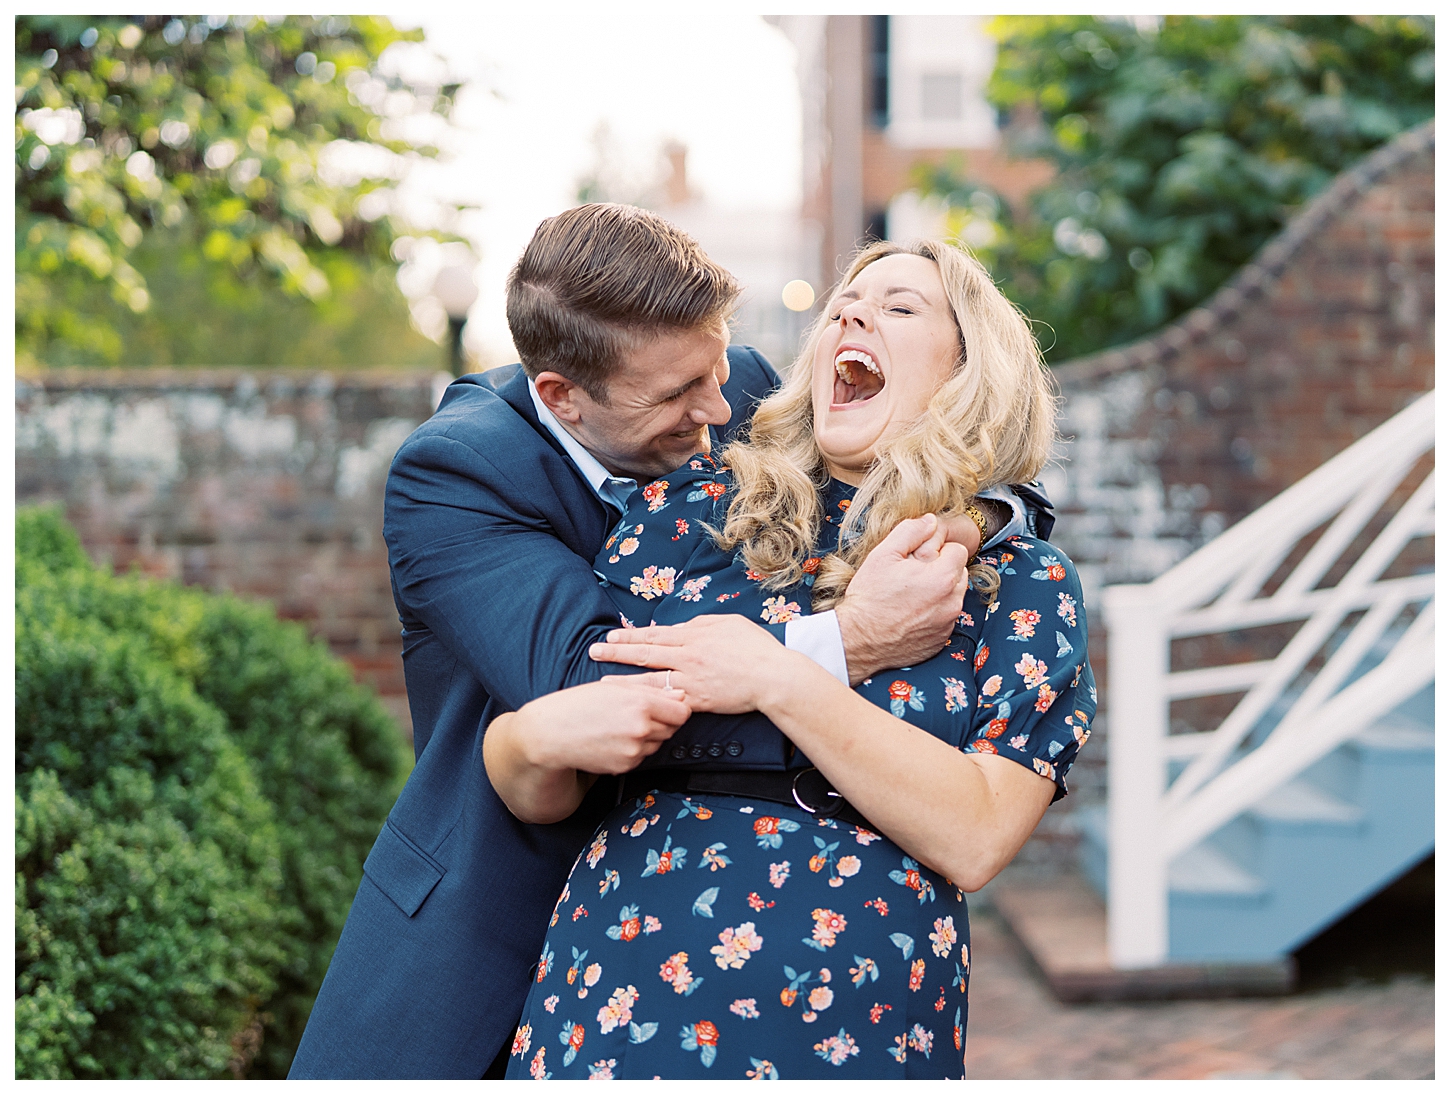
[{"x": 197, "y": 785}]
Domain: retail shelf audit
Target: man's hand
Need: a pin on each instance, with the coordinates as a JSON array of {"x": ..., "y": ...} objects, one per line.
[
  {"x": 544, "y": 757},
  {"x": 903, "y": 600}
]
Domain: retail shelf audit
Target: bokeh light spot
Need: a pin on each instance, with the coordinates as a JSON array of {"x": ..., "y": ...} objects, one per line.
[{"x": 798, "y": 295}]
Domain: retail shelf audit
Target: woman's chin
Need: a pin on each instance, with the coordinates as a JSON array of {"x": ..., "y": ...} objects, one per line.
[{"x": 848, "y": 439}]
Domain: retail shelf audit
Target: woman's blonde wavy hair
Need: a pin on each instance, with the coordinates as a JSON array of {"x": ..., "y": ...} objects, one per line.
[{"x": 991, "y": 423}]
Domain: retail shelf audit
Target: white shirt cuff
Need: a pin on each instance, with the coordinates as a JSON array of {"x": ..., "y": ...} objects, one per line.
[
  {"x": 819, "y": 639},
  {"x": 1015, "y": 527}
]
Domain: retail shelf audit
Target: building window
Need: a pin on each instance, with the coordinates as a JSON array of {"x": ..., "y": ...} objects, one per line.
[
  {"x": 941, "y": 96},
  {"x": 880, "y": 30}
]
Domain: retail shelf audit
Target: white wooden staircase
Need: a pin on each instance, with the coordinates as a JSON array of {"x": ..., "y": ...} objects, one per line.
[{"x": 1236, "y": 843}]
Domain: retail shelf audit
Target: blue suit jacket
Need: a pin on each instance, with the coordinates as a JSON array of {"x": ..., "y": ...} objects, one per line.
[{"x": 491, "y": 535}]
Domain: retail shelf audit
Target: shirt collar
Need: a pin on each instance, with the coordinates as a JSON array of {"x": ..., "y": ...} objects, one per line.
[{"x": 614, "y": 490}]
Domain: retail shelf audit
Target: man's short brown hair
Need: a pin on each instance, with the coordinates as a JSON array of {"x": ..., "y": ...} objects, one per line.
[{"x": 597, "y": 278}]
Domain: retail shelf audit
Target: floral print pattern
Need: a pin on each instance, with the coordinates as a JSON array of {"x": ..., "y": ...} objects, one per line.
[
  {"x": 777, "y": 610},
  {"x": 846, "y": 954},
  {"x": 804, "y": 924},
  {"x": 736, "y": 945},
  {"x": 654, "y": 582}
]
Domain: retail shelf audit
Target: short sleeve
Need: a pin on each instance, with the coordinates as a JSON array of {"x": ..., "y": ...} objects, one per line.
[{"x": 1035, "y": 693}]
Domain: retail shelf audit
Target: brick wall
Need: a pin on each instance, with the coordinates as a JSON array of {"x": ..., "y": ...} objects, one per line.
[
  {"x": 1327, "y": 333},
  {"x": 270, "y": 484},
  {"x": 267, "y": 484}
]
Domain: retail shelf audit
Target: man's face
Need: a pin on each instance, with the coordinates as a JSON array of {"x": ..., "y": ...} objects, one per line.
[{"x": 662, "y": 401}]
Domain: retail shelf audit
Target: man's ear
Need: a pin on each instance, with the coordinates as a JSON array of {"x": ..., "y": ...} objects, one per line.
[{"x": 561, "y": 395}]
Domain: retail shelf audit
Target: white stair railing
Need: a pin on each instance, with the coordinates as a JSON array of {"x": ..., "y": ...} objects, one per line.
[{"x": 1292, "y": 713}]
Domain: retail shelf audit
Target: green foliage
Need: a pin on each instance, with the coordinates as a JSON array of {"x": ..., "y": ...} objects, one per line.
[
  {"x": 208, "y": 314},
  {"x": 147, "y": 862},
  {"x": 1180, "y": 148},
  {"x": 266, "y": 146},
  {"x": 44, "y": 541},
  {"x": 197, "y": 786}
]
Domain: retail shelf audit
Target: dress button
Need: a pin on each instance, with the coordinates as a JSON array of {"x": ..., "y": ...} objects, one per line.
[
  {"x": 734, "y": 748},
  {"x": 697, "y": 751},
  {"x": 715, "y": 750},
  {"x": 678, "y": 752}
]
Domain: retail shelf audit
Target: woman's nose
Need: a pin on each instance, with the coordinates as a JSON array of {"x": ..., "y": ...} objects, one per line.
[{"x": 856, "y": 314}]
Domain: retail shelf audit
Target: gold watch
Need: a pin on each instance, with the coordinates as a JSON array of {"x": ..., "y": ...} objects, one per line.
[{"x": 980, "y": 520}]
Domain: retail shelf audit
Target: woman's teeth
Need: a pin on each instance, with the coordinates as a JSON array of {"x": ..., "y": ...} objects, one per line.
[
  {"x": 858, "y": 378},
  {"x": 845, "y": 370}
]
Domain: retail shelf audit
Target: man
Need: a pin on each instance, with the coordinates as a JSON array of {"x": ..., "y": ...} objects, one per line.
[{"x": 495, "y": 510}]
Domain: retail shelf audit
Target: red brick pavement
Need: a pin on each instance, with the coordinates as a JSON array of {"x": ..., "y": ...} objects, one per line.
[{"x": 1017, "y": 1030}]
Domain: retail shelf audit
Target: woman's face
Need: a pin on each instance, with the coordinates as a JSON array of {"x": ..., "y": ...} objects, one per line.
[{"x": 891, "y": 343}]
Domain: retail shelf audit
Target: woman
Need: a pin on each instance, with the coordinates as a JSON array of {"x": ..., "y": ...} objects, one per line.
[{"x": 704, "y": 930}]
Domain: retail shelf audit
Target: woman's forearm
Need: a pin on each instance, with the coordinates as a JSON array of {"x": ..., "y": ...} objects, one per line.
[
  {"x": 534, "y": 791},
  {"x": 543, "y": 758},
  {"x": 963, "y": 814}
]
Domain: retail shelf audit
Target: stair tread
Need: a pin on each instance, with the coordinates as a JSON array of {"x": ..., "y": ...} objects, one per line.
[
  {"x": 1063, "y": 926},
  {"x": 1397, "y": 734},
  {"x": 1300, "y": 800},
  {"x": 1203, "y": 869}
]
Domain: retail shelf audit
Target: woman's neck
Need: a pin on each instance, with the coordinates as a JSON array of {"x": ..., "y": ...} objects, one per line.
[{"x": 850, "y": 476}]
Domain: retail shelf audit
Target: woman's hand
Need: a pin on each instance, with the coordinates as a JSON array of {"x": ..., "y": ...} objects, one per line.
[
  {"x": 961, "y": 529},
  {"x": 724, "y": 663},
  {"x": 543, "y": 758},
  {"x": 606, "y": 727}
]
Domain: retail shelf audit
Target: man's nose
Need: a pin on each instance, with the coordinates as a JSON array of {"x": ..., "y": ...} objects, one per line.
[{"x": 711, "y": 409}]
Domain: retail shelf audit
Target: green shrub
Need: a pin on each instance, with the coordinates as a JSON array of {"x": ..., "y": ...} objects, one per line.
[
  {"x": 148, "y": 861},
  {"x": 197, "y": 786}
]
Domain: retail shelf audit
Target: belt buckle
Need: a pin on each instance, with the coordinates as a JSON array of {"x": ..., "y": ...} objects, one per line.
[{"x": 829, "y": 809}]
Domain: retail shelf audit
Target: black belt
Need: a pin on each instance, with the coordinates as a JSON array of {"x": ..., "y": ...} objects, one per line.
[{"x": 802, "y": 787}]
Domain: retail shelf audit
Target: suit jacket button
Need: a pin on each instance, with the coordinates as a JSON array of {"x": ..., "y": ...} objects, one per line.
[
  {"x": 678, "y": 752},
  {"x": 734, "y": 748},
  {"x": 715, "y": 750},
  {"x": 697, "y": 751}
]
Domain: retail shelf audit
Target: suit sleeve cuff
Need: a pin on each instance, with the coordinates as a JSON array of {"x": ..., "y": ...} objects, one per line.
[{"x": 819, "y": 639}]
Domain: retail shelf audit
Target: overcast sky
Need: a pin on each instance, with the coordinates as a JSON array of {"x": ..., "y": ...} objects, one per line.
[{"x": 723, "y": 84}]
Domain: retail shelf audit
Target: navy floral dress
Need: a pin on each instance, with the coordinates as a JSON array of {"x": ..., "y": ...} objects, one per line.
[{"x": 734, "y": 938}]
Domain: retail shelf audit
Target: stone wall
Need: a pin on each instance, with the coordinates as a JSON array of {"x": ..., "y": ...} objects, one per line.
[{"x": 269, "y": 484}]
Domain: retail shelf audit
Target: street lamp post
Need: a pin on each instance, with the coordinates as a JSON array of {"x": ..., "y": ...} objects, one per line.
[{"x": 456, "y": 291}]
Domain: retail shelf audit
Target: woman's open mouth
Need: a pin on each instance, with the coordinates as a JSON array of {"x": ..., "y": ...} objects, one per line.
[{"x": 858, "y": 378}]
